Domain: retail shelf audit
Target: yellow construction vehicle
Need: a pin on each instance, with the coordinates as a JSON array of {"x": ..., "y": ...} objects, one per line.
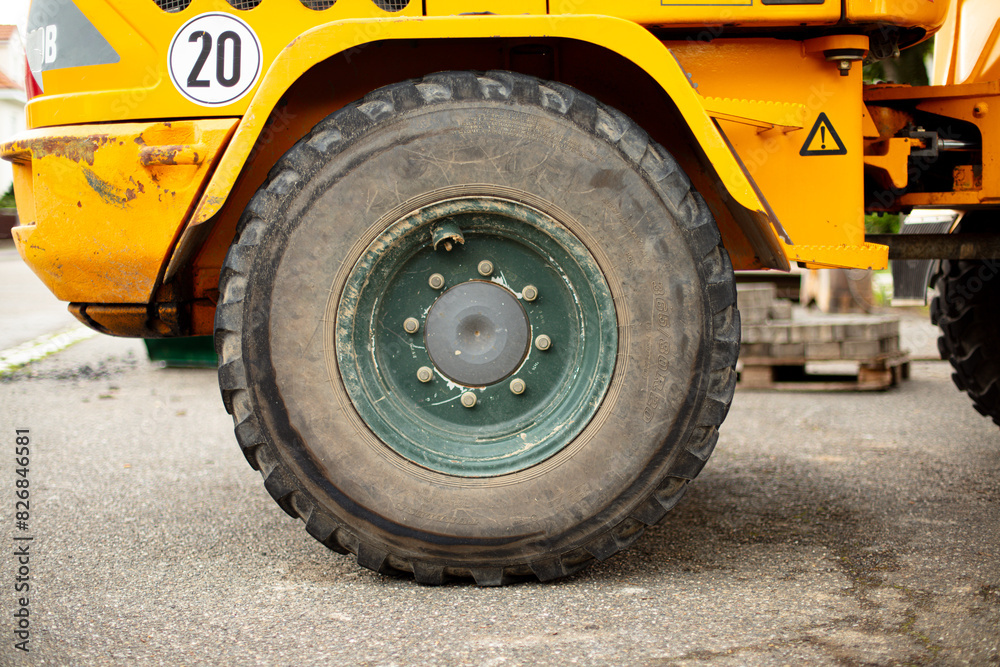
[{"x": 469, "y": 263}]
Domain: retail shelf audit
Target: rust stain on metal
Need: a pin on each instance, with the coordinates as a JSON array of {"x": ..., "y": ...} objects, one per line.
[
  {"x": 158, "y": 156},
  {"x": 107, "y": 191},
  {"x": 161, "y": 155},
  {"x": 77, "y": 149}
]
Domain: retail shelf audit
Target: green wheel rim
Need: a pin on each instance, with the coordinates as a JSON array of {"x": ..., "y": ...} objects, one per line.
[{"x": 384, "y": 356}]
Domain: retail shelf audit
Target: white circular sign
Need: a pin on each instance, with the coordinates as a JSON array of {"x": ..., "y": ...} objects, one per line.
[{"x": 214, "y": 59}]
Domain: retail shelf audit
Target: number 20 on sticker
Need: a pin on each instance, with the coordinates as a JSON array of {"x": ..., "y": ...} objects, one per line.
[{"x": 215, "y": 59}]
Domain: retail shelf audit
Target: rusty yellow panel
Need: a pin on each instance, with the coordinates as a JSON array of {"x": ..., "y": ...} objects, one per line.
[
  {"x": 510, "y": 7},
  {"x": 104, "y": 203},
  {"x": 973, "y": 103},
  {"x": 796, "y": 125},
  {"x": 980, "y": 110}
]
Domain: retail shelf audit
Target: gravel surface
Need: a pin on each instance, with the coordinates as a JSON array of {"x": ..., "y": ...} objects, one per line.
[{"x": 828, "y": 529}]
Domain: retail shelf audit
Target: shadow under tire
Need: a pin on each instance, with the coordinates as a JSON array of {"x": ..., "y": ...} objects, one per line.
[
  {"x": 965, "y": 310},
  {"x": 386, "y": 212}
]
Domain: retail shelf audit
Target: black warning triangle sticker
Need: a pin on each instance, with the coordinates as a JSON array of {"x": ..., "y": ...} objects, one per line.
[{"x": 823, "y": 139}]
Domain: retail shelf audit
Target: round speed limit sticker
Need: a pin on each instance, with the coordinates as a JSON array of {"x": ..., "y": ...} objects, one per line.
[{"x": 214, "y": 59}]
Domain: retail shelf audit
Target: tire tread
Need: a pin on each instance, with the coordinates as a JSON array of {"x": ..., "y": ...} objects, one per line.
[
  {"x": 968, "y": 325},
  {"x": 663, "y": 174}
]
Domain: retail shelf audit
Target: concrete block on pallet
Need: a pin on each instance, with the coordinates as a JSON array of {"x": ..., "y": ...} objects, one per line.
[
  {"x": 788, "y": 350},
  {"x": 781, "y": 309},
  {"x": 861, "y": 331},
  {"x": 823, "y": 350},
  {"x": 890, "y": 345},
  {"x": 778, "y": 334},
  {"x": 755, "y": 349},
  {"x": 761, "y": 334},
  {"x": 753, "y": 314},
  {"x": 875, "y": 329},
  {"x": 754, "y": 295},
  {"x": 818, "y": 333},
  {"x": 860, "y": 349},
  {"x": 889, "y": 329}
]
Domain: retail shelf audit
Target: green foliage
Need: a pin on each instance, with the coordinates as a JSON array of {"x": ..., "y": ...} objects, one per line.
[
  {"x": 882, "y": 223},
  {"x": 7, "y": 201},
  {"x": 882, "y": 288},
  {"x": 907, "y": 67}
]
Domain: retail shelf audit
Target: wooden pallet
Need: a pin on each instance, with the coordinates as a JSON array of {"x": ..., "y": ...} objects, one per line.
[{"x": 789, "y": 373}]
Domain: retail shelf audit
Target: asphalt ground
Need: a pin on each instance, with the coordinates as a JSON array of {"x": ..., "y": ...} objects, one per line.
[
  {"x": 828, "y": 529},
  {"x": 29, "y": 309}
]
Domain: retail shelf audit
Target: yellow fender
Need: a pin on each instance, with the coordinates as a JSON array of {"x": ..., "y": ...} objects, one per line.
[{"x": 625, "y": 38}]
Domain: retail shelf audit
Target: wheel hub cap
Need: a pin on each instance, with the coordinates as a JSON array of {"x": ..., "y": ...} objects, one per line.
[
  {"x": 477, "y": 333},
  {"x": 476, "y": 336}
]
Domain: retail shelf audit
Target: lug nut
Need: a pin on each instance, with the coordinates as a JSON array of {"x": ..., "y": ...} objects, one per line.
[
  {"x": 485, "y": 267},
  {"x": 517, "y": 386},
  {"x": 529, "y": 292},
  {"x": 436, "y": 281},
  {"x": 543, "y": 342},
  {"x": 411, "y": 325},
  {"x": 469, "y": 399},
  {"x": 425, "y": 374}
]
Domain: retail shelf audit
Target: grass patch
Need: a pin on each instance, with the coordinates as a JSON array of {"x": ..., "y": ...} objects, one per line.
[
  {"x": 882, "y": 223},
  {"x": 7, "y": 201}
]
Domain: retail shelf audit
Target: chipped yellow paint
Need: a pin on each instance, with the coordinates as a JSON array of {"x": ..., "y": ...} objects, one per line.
[{"x": 101, "y": 206}]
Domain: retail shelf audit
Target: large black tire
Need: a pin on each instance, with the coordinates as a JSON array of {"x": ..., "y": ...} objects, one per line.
[
  {"x": 967, "y": 310},
  {"x": 516, "y": 146}
]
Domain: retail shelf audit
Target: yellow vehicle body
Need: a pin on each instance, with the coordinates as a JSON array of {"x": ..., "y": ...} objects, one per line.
[{"x": 746, "y": 116}]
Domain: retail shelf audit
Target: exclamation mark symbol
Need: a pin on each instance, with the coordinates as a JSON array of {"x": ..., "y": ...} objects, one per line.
[{"x": 822, "y": 131}]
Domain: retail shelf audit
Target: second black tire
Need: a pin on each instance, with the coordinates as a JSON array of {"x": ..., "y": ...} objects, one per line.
[{"x": 966, "y": 310}]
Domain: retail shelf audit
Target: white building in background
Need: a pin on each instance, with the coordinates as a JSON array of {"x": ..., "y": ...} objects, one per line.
[
  {"x": 11, "y": 54},
  {"x": 12, "y": 99}
]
